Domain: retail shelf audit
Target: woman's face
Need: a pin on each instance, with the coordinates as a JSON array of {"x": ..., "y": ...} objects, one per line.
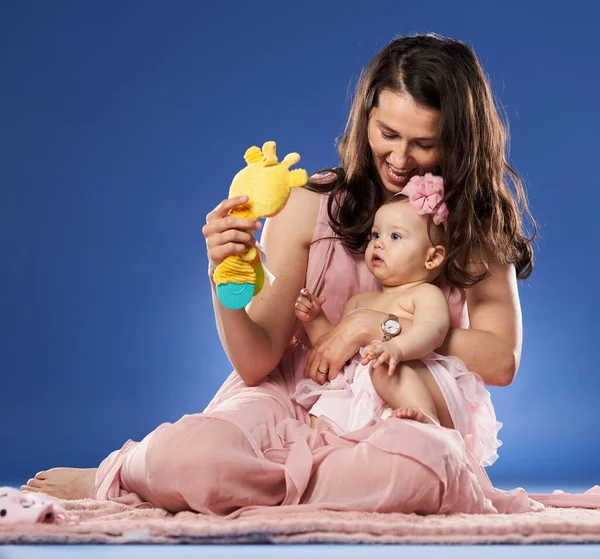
[{"x": 402, "y": 136}]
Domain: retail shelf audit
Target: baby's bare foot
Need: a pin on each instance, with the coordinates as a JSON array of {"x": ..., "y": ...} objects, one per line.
[
  {"x": 415, "y": 414},
  {"x": 63, "y": 483}
]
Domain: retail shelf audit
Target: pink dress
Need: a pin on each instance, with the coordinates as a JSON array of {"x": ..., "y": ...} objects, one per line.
[{"x": 253, "y": 451}]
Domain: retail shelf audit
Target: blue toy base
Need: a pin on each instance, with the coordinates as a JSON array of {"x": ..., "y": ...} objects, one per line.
[{"x": 235, "y": 295}]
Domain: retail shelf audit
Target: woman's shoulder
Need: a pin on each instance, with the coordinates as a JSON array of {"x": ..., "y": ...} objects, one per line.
[
  {"x": 304, "y": 201},
  {"x": 299, "y": 216},
  {"x": 306, "y": 212},
  {"x": 307, "y": 200}
]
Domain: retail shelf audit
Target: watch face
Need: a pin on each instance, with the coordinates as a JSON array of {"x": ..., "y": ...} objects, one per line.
[{"x": 391, "y": 327}]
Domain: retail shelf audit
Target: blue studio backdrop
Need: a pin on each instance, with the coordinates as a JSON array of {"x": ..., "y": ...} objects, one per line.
[{"x": 122, "y": 124}]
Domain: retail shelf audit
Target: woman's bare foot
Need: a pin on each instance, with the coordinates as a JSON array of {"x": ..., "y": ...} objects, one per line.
[
  {"x": 63, "y": 483},
  {"x": 415, "y": 414}
]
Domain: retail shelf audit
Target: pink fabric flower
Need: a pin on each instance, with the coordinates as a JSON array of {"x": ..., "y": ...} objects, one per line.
[{"x": 425, "y": 193}]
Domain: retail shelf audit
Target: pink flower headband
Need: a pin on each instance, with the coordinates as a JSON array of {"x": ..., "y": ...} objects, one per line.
[{"x": 425, "y": 193}]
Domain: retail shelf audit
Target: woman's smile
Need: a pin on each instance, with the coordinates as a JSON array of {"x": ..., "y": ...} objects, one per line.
[{"x": 398, "y": 177}]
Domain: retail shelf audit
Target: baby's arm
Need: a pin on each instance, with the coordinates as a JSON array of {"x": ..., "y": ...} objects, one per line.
[
  {"x": 310, "y": 312},
  {"x": 431, "y": 321}
]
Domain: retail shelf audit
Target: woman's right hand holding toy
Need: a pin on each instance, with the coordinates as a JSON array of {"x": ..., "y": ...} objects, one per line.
[{"x": 226, "y": 235}]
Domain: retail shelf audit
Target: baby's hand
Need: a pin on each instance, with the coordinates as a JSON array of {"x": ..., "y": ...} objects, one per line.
[
  {"x": 307, "y": 306},
  {"x": 380, "y": 353}
]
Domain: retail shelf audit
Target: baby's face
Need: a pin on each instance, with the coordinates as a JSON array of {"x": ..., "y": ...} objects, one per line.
[{"x": 399, "y": 245}]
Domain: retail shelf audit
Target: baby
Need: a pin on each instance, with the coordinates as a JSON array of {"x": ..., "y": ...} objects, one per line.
[{"x": 405, "y": 255}]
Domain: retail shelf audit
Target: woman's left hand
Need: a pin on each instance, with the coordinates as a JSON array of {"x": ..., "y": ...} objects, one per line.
[{"x": 335, "y": 348}]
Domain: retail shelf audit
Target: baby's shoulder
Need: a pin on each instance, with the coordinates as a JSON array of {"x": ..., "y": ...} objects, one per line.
[{"x": 428, "y": 291}]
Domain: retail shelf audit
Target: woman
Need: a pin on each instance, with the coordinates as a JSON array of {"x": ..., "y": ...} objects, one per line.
[{"x": 422, "y": 105}]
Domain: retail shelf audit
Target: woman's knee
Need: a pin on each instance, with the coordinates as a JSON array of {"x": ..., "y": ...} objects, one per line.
[
  {"x": 426, "y": 473},
  {"x": 412, "y": 487},
  {"x": 376, "y": 481},
  {"x": 185, "y": 460},
  {"x": 439, "y": 481},
  {"x": 462, "y": 482}
]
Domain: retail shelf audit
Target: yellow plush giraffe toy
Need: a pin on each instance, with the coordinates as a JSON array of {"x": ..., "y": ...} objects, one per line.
[{"x": 267, "y": 183}]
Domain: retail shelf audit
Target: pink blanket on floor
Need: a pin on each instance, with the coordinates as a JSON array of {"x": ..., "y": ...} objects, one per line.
[{"x": 109, "y": 522}]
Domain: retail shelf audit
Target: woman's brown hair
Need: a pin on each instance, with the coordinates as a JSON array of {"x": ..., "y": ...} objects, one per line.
[{"x": 485, "y": 197}]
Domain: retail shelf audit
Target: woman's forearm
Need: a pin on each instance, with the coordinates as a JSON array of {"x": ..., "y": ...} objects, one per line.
[
  {"x": 333, "y": 350},
  {"x": 484, "y": 353},
  {"x": 246, "y": 344},
  {"x": 368, "y": 325}
]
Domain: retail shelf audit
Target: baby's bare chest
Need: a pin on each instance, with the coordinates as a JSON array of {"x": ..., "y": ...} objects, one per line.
[{"x": 400, "y": 305}]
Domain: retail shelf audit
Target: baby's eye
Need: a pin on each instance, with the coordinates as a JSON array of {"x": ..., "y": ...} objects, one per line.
[
  {"x": 396, "y": 236},
  {"x": 374, "y": 235}
]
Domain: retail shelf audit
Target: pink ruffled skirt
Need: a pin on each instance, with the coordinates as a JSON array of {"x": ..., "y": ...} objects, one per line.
[{"x": 349, "y": 402}]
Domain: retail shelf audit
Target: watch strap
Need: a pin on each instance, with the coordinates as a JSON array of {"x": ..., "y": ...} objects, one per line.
[{"x": 387, "y": 336}]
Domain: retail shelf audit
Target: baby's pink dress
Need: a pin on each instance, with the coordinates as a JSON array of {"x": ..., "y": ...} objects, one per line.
[
  {"x": 350, "y": 402},
  {"x": 252, "y": 449}
]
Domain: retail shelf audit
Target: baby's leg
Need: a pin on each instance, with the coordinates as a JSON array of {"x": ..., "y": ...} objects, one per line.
[{"x": 405, "y": 392}]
